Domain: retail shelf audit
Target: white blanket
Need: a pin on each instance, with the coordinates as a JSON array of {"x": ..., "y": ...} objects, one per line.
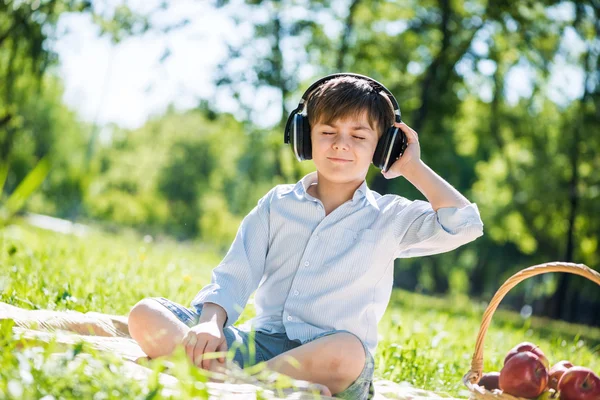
[{"x": 110, "y": 333}]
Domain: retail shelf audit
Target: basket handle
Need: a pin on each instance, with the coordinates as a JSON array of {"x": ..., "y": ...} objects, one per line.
[{"x": 474, "y": 374}]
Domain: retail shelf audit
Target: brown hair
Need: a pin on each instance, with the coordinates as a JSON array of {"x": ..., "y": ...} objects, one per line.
[{"x": 348, "y": 96}]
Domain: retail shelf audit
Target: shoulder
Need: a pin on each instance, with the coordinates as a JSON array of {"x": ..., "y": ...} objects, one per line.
[
  {"x": 282, "y": 190},
  {"x": 393, "y": 204},
  {"x": 390, "y": 202},
  {"x": 274, "y": 194}
]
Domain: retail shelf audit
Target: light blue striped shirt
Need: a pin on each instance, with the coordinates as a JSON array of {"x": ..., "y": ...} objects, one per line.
[{"x": 317, "y": 273}]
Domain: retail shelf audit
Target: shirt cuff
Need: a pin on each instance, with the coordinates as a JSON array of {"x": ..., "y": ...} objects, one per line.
[
  {"x": 215, "y": 294},
  {"x": 454, "y": 220}
]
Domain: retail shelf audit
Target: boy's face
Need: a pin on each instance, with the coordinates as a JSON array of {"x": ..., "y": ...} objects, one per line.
[{"x": 343, "y": 149}]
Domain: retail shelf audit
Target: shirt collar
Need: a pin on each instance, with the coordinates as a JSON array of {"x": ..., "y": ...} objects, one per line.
[{"x": 301, "y": 189}]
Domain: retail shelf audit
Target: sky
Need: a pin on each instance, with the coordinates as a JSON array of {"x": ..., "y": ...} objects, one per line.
[{"x": 126, "y": 83}]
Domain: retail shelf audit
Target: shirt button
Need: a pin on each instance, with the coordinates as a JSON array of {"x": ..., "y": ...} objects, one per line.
[
  {"x": 296, "y": 293},
  {"x": 289, "y": 318},
  {"x": 306, "y": 263},
  {"x": 316, "y": 237}
]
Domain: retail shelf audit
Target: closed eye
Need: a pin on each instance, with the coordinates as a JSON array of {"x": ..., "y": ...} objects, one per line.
[
  {"x": 359, "y": 137},
  {"x": 328, "y": 133}
]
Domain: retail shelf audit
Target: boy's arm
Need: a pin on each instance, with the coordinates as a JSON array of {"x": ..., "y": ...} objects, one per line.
[
  {"x": 240, "y": 272},
  {"x": 438, "y": 192},
  {"x": 448, "y": 221}
]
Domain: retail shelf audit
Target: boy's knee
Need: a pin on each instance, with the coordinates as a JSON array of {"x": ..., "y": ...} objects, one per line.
[
  {"x": 347, "y": 359},
  {"x": 353, "y": 353},
  {"x": 144, "y": 319},
  {"x": 141, "y": 313},
  {"x": 150, "y": 329}
]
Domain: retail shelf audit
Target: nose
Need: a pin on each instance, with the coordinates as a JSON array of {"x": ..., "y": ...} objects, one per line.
[{"x": 340, "y": 143}]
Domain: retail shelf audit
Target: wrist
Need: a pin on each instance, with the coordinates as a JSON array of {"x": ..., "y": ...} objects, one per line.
[
  {"x": 412, "y": 170},
  {"x": 212, "y": 312}
]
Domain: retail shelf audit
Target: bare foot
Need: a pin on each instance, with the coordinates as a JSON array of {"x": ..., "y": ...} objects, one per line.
[
  {"x": 310, "y": 387},
  {"x": 324, "y": 390}
]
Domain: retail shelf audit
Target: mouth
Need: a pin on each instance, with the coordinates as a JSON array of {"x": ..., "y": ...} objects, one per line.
[{"x": 338, "y": 160}]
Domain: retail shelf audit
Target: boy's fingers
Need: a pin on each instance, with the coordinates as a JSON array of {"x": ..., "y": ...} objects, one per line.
[
  {"x": 413, "y": 136},
  {"x": 190, "y": 342},
  {"x": 198, "y": 352},
  {"x": 410, "y": 132},
  {"x": 223, "y": 349},
  {"x": 414, "y": 132},
  {"x": 189, "y": 336},
  {"x": 210, "y": 348},
  {"x": 403, "y": 127}
]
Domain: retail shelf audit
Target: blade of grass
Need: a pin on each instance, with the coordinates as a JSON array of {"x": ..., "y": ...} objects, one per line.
[
  {"x": 3, "y": 175},
  {"x": 27, "y": 186}
]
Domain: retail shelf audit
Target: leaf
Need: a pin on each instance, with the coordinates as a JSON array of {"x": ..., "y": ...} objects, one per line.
[
  {"x": 3, "y": 175},
  {"x": 31, "y": 182}
]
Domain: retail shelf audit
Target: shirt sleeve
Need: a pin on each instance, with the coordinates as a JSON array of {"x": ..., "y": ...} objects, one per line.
[
  {"x": 242, "y": 268},
  {"x": 421, "y": 231}
]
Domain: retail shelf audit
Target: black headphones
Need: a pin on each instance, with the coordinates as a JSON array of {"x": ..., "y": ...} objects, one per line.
[{"x": 389, "y": 148}]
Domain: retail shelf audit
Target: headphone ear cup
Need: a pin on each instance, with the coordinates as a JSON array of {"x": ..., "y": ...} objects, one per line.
[
  {"x": 307, "y": 143},
  {"x": 297, "y": 136},
  {"x": 301, "y": 133},
  {"x": 382, "y": 145},
  {"x": 390, "y": 147}
]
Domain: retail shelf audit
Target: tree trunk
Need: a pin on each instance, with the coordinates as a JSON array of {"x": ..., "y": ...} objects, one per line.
[
  {"x": 280, "y": 82},
  {"x": 565, "y": 300},
  {"x": 440, "y": 278},
  {"x": 340, "y": 65},
  {"x": 6, "y": 141},
  {"x": 563, "y": 297},
  {"x": 477, "y": 275}
]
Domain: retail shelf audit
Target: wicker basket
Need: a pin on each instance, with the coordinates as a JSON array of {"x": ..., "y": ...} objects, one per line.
[{"x": 472, "y": 377}]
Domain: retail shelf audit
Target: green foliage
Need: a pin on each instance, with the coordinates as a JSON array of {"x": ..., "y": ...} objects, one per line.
[
  {"x": 49, "y": 130},
  {"x": 217, "y": 224},
  {"x": 34, "y": 122},
  {"x": 172, "y": 174}
]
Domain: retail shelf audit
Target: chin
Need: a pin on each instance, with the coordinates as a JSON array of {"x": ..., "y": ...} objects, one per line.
[{"x": 340, "y": 176}]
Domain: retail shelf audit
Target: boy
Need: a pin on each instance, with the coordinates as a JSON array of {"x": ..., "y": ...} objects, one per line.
[{"x": 321, "y": 253}]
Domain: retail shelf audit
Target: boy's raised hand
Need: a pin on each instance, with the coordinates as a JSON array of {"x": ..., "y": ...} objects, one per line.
[
  {"x": 411, "y": 156},
  {"x": 206, "y": 337}
]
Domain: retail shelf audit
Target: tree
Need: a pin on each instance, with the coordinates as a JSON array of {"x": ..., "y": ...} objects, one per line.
[{"x": 28, "y": 118}]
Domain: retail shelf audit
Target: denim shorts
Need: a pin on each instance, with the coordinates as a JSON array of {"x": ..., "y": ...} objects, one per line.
[{"x": 253, "y": 347}]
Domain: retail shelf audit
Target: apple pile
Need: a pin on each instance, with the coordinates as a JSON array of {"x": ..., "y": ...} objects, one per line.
[{"x": 527, "y": 373}]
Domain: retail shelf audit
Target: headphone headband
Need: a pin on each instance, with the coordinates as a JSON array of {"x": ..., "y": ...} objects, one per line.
[
  {"x": 397, "y": 113},
  {"x": 359, "y": 76}
]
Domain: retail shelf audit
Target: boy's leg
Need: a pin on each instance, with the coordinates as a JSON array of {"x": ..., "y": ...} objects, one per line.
[
  {"x": 336, "y": 360},
  {"x": 156, "y": 328},
  {"x": 159, "y": 325}
]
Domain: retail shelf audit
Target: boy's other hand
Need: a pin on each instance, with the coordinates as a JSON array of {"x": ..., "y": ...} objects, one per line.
[
  {"x": 411, "y": 156},
  {"x": 206, "y": 337}
]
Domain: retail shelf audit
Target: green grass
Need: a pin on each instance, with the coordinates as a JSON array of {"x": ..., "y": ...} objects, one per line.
[{"x": 425, "y": 341}]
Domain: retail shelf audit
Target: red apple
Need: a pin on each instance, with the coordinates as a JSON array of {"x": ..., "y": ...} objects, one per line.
[
  {"x": 526, "y": 346},
  {"x": 579, "y": 383},
  {"x": 557, "y": 371},
  {"x": 489, "y": 380},
  {"x": 524, "y": 375}
]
